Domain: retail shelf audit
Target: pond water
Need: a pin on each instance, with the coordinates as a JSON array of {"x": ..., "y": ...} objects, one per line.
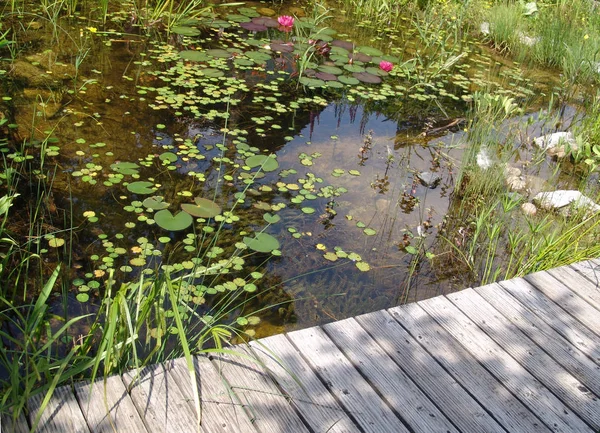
[{"x": 362, "y": 174}]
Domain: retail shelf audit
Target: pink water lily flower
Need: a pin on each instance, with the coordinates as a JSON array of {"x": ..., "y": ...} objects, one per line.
[
  {"x": 386, "y": 66},
  {"x": 286, "y": 21}
]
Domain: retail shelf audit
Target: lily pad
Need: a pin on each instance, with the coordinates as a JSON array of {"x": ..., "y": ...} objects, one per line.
[
  {"x": 354, "y": 68},
  {"x": 366, "y": 77},
  {"x": 185, "y": 31},
  {"x": 345, "y": 45},
  {"x": 282, "y": 47},
  {"x": 253, "y": 27},
  {"x": 249, "y": 12},
  {"x": 203, "y": 208},
  {"x": 265, "y": 162},
  {"x": 370, "y": 51},
  {"x": 262, "y": 242},
  {"x": 326, "y": 76},
  {"x": 168, "y": 156},
  {"x": 155, "y": 203},
  {"x": 141, "y": 187},
  {"x": 212, "y": 72},
  {"x": 330, "y": 69},
  {"x": 265, "y": 21},
  {"x": 218, "y": 53},
  {"x": 238, "y": 18},
  {"x": 351, "y": 81},
  {"x": 312, "y": 82},
  {"x": 271, "y": 219},
  {"x": 166, "y": 220},
  {"x": 194, "y": 55},
  {"x": 124, "y": 167}
]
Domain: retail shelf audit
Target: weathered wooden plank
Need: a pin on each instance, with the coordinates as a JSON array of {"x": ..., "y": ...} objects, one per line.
[
  {"x": 529, "y": 355},
  {"x": 449, "y": 395},
  {"x": 9, "y": 426},
  {"x": 221, "y": 412},
  {"x": 589, "y": 269},
  {"x": 107, "y": 407},
  {"x": 567, "y": 299},
  {"x": 485, "y": 388},
  {"x": 159, "y": 401},
  {"x": 554, "y": 316},
  {"x": 61, "y": 415},
  {"x": 515, "y": 377},
  {"x": 396, "y": 387},
  {"x": 345, "y": 382},
  {"x": 562, "y": 350},
  {"x": 578, "y": 284},
  {"x": 267, "y": 405},
  {"x": 286, "y": 365}
]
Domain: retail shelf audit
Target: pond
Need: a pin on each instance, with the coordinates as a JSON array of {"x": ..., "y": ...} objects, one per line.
[{"x": 308, "y": 166}]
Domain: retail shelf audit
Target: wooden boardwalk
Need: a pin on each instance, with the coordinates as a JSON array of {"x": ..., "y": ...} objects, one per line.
[{"x": 517, "y": 356}]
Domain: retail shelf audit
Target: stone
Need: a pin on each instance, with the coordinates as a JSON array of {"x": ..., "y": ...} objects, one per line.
[
  {"x": 556, "y": 144},
  {"x": 529, "y": 209},
  {"x": 484, "y": 28},
  {"x": 484, "y": 158},
  {"x": 266, "y": 12},
  {"x": 32, "y": 76},
  {"x": 429, "y": 179},
  {"x": 560, "y": 199},
  {"x": 527, "y": 40},
  {"x": 516, "y": 183}
]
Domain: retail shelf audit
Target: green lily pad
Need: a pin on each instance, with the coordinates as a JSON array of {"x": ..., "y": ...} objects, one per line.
[
  {"x": 354, "y": 68},
  {"x": 369, "y": 231},
  {"x": 56, "y": 242},
  {"x": 166, "y": 220},
  {"x": 271, "y": 219},
  {"x": 185, "y": 31},
  {"x": 168, "y": 156},
  {"x": 249, "y": 12},
  {"x": 308, "y": 210},
  {"x": 330, "y": 69},
  {"x": 212, "y": 73},
  {"x": 351, "y": 81},
  {"x": 238, "y": 18},
  {"x": 265, "y": 162},
  {"x": 262, "y": 242},
  {"x": 124, "y": 167},
  {"x": 155, "y": 203},
  {"x": 141, "y": 187},
  {"x": 312, "y": 82},
  {"x": 194, "y": 55},
  {"x": 218, "y": 53},
  {"x": 362, "y": 266},
  {"x": 203, "y": 208},
  {"x": 331, "y": 256},
  {"x": 369, "y": 51},
  {"x": 259, "y": 56}
]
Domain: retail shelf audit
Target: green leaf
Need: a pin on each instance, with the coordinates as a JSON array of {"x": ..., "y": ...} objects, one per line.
[
  {"x": 262, "y": 242},
  {"x": 155, "y": 203},
  {"x": 308, "y": 210},
  {"x": 411, "y": 250},
  {"x": 265, "y": 162},
  {"x": 369, "y": 231},
  {"x": 363, "y": 266},
  {"x": 331, "y": 256},
  {"x": 141, "y": 187},
  {"x": 166, "y": 220},
  {"x": 271, "y": 219},
  {"x": 203, "y": 208}
]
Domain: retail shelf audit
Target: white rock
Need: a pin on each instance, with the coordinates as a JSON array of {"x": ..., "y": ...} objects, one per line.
[
  {"x": 484, "y": 28},
  {"x": 529, "y": 209},
  {"x": 527, "y": 40},
  {"x": 556, "y": 139},
  {"x": 484, "y": 159},
  {"x": 562, "y": 198}
]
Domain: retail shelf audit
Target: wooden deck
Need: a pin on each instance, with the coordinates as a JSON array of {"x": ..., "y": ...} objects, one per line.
[{"x": 517, "y": 356}]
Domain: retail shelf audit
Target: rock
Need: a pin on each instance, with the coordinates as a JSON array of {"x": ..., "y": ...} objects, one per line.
[
  {"x": 511, "y": 171},
  {"x": 556, "y": 144},
  {"x": 516, "y": 183},
  {"x": 299, "y": 12},
  {"x": 32, "y": 76},
  {"x": 484, "y": 158},
  {"x": 429, "y": 179},
  {"x": 527, "y": 40},
  {"x": 529, "y": 209},
  {"x": 560, "y": 199},
  {"x": 35, "y": 25},
  {"x": 266, "y": 12},
  {"x": 484, "y": 28}
]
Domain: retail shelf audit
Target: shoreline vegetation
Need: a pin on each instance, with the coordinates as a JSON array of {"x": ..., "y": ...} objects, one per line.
[{"x": 114, "y": 256}]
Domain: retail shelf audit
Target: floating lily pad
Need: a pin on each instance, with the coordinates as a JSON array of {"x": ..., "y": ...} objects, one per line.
[
  {"x": 335, "y": 85},
  {"x": 348, "y": 80},
  {"x": 203, "y": 208},
  {"x": 265, "y": 162},
  {"x": 218, "y": 53},
  {"x": 265, "y": 21},
  {"x": 369, "y": 231},
  {"x": 262, "y": 242},
  {"x": 185, "y": 31},
  {"x": 330, "y": 69},
  {"x": 141, "y": 187},
  {"x": 212, "y": 72},
  {"x": 125, "y": 167},
  {"x": 259, "y": 56},
  {"x": 168, "y": 156},
  {"x": 217, "y": 24},
  {"x": 312, "y": 82},
  {"x": 249, "y": 12},
  {"x": 155, "y": 203},
  {"x": 362, "y": 266},
  {"x": 271, "y": 219},
  {"x": 360, "y": 57},
  {"x": 308, "y": 210},
  {"x": 326, "y": 76},
  {"x": 331, "y": 256},
  {"x": 238, "y": 18},
  {"x": 166, "y": 220},
  {"x": 281, "y": 47},
  {"x": 346, "y": 45},
  {"x": 370, "y": 51},
  {"x": 194, "y": 55},
  {"x": 367, "y": 77},
  {"x": 56, "y": 242},
  {"x": 253, "y": 27},
  {"x": 354, "y": 68}
]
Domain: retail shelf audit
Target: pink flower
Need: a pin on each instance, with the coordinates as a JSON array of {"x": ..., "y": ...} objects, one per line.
[
  {"x": 386, "y": 66},
  {"x": 286, "y": 21}
]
